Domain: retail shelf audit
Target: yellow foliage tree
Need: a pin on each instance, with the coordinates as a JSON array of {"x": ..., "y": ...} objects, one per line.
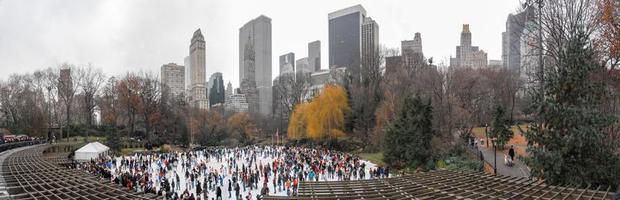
[
  {"x": 297, "y": 123},
  {"x": 323, "y": 117}
]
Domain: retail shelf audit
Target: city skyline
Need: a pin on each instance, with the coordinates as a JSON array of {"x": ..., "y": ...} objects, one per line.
[{"x": 127, "y": 42}]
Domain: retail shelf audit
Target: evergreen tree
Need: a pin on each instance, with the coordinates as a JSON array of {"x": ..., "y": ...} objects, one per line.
[
  {"x": 566, "y": 146},
  {"x": 408, "y": 136},
  {"x": 113, "y": 138},
  {"x": 500, "y": 130}
]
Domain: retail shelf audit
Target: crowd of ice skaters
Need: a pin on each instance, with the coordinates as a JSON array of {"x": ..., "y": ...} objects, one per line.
[{"x": 225, "y": 173}]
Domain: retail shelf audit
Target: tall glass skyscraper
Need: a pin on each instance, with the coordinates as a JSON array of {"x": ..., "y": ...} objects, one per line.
[
  {"x": 255, "y": 64},
  {"x": 314, "y": 55},
  {"x": 345, "y": 38}
]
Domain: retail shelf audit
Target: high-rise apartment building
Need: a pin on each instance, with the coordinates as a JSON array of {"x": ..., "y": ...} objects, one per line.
[
  {"x": 495, "y": 64},
  {"x": 529, "y": 59},
  {"x": 314, "y": 55},
  {"x": 255, "y": 64},
  {"x": 173, "y": 78},
  {"x": 412, "y": 46},
  {"x": 370, "y": 41},
  {"x": 345, "y": 38},
  {"x": 229, "y": 89},
  {"x": 188, "y": 67},
  {"x": 287, "y": 63},
  {"x": 512, "y": 39},
  {"x": 468, "y": 55},
  {"x": 65, "y": 82},
  {"x": 236, "y": 103},
  {"x": 411, "y": 50},
  {"x": 198, "y": 89},
  {"x": 302, "y": 66}
]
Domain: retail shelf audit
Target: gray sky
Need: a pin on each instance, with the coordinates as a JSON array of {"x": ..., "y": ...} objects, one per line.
[{"x": 140, "y": 35}]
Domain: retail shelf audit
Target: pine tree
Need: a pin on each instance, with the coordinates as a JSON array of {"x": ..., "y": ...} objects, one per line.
[
  {"x": 499, "y": 127},
  {"x": 566, "y": 146},
  {"x": 113, "y": 138},
  {"x": 408, "y": 136}
]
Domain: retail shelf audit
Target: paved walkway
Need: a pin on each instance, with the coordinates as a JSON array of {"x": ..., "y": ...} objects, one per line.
[{"x": 519, "y": 169}]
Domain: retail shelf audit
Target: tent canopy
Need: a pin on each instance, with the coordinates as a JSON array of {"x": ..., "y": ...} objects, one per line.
[{"x": 91, "y": 151}]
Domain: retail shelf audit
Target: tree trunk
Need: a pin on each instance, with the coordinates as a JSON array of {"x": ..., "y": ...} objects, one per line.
[{"x": 68, "y": 107}]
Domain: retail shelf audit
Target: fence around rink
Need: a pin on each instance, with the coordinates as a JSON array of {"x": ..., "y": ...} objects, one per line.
[{"x": 12, "y": 145}]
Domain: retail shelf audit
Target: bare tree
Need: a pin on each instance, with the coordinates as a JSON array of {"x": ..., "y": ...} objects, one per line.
[
  {"x": 365, "y": 94},
  {"x": 149, "y": 94},
  {"x": 67, "y": 87},
  {"x": 54, "y": 104},
  {"x": 19, "y": 102},
  {"x": 128, "y": 98},
  {"x": 109, "y": 102},
  {"x": 89, "y": 81},
  {"x": 290, "y": 90}
]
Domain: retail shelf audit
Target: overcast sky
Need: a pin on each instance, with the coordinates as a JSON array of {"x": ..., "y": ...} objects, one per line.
[{"x": 140, "y": 35}]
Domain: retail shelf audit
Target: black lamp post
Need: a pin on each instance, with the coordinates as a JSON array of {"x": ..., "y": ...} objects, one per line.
[
  {"x": 49, "y": 114},
  {"x": 495, "y": 155},
  {"x": 486, "y": 133}
]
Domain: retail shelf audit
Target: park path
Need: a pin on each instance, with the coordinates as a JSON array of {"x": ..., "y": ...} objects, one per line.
[{"x": 519, "y": 169}]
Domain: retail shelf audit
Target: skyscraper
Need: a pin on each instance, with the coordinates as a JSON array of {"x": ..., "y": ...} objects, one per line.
[
  {"x": 173, "y": 78},
  {"x": 314, "y": 55},
  {"x": 255, "y": 64},
  {"x": 216, "y": 90},
  {"x": 370, "y": 40},
  {"x": 198, "y": 91},
  {"x": 528, "y": 59},
  {"x": 511, "y": 39},
  {"x": 188, "y": 67},
  {"x": 411, "y": 50},
  {"x": 412, "y": 46},
  {"x": 303, "y": 67},
  {"x": 236, "y": 103},
  {"x": 229, "y": 89},
  {"x": 287, "y": 63},
  {"x": 345, "y": 38},
  {"x": 467, "y": 55}
]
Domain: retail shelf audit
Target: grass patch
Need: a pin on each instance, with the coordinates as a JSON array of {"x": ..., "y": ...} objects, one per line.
[
  {"x": 130, "y": 151},
  {"x": 81, "y": 139},
  {"x": 376, "y": 158}
]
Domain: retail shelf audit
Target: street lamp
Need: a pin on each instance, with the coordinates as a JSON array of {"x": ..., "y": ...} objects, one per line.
[
  {"x": 49, "y": 113},
  {"x": 486, "y": 133},
  {"x": 495, "y": 155}
]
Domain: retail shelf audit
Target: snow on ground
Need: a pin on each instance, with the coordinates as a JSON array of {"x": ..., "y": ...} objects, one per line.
[{"x": 223, "y": 168}]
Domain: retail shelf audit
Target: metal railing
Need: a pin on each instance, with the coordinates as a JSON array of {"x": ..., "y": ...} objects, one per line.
[{"x": 12, "y": 145}]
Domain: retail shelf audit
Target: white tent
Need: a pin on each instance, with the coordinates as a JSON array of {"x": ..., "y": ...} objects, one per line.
[{"x": 91, "y": 151}]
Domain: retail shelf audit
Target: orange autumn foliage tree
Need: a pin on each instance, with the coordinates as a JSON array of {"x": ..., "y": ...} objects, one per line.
[
  {"x": 609, "y": 39},
  {"x": 322, "y": 118},
  {"x": 242, "y": 127}
]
